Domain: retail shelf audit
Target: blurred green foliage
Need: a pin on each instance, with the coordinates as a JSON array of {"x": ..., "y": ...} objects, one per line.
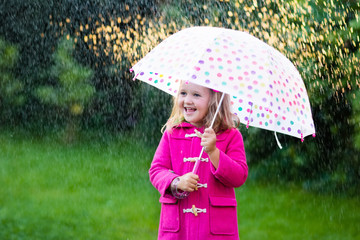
[
  {"x": 38, "y": 28},
  {"x": 10, "y": 87},
  {"x": 355, "y": 120},
  {"x": 70, "y": 88}
]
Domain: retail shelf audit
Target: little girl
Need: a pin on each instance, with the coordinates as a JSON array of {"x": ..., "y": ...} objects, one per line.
[{"x": 209, "y": 210}]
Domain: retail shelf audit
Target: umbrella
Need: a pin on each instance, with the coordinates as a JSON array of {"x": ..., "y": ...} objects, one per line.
[{"x": 266, "y": 89}]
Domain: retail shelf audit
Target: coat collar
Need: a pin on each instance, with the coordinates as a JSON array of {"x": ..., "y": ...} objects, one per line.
[{"x": 188, "y": 125}]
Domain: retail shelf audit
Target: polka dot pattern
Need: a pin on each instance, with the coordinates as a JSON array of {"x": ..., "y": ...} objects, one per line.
[{"x": 266, "y": 89}]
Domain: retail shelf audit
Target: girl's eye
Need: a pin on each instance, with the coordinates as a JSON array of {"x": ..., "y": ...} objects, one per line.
[
  {"x": 183, "y": 93},
  {"x": 197, "y": 95}
]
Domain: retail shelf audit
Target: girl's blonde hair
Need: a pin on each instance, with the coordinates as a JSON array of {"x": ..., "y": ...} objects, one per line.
[{"x": 225, "y": 119}]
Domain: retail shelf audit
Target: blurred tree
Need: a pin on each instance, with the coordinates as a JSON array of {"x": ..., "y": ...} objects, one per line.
[
  {"x": 105, "y": 33},
  {"x": 354, "y": 97},
  {"x": 356, "y": 120},
  {"x": 68, "y": 87},
  {"x": 10, "y": 87}
]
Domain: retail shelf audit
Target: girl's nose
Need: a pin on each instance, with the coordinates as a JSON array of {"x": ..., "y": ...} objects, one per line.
[{"x": 188, "y": 99}]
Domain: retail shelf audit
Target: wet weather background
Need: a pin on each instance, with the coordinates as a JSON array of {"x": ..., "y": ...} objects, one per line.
[{"x": 77, "y": 135}]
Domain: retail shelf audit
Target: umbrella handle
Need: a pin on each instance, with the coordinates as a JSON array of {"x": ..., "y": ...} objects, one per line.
[{"x": 197, "y": 163}]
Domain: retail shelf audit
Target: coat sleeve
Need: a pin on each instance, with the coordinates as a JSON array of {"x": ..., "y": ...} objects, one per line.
[
  {"x": 160, "y": 172},
  {"x": 232, "y": 170}
]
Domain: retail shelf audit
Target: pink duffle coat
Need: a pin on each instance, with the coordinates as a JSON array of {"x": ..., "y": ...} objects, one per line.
[{"x": 215, "y": 198}]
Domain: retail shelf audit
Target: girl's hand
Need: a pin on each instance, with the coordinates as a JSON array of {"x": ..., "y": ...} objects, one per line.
[
  {"x": 208, "y": 140},
  {"x": 188, "y": 182}
]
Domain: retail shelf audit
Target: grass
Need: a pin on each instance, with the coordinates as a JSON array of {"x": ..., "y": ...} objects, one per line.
[{"x": 99, "y": 189}]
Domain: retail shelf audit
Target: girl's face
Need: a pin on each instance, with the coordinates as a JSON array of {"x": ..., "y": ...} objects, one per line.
[{"x": 193, "y": 102}]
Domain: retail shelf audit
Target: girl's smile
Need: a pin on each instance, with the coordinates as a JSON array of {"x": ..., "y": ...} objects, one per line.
[{"x": 193, "y": 101}]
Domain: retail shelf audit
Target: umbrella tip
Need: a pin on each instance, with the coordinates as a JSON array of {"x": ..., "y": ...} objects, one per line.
[
  {"x": 134, "y": 78},
  {"x": 277, "y": 141}
]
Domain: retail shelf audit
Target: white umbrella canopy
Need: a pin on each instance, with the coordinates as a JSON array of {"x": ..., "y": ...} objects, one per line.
[{"x": 266, "y": 89}]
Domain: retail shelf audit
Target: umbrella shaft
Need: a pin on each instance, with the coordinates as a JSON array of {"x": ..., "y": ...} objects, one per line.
[{"x": 197, "y": 163}]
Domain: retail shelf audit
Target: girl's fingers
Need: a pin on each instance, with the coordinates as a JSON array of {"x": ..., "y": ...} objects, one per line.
[
  {"x": 192, "y": 187},
  {"x": 188, "y": 181},
  {"x": 209, "y": 131},
  {"x": 194, "y": 176},
  {"x": 189, "y": 187}
]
